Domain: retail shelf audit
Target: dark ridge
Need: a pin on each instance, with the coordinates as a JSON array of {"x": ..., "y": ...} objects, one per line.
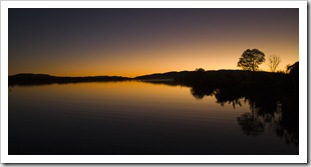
[
  {"x": 167, "y": 75},
  {"x": 231, "y": 78},
  {"x": 43, "y": 79},
  {"x": 202, "y": 76}
]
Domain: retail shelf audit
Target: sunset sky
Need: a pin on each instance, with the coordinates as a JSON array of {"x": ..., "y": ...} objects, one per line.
[{"x": 131, "y": 42}]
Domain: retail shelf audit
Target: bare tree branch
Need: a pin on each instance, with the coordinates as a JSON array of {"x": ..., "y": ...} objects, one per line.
[{"x": 273, "y": 62}]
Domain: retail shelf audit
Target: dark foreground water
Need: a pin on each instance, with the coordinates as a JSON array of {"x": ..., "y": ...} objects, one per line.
[{"x": 141, "y": 118}]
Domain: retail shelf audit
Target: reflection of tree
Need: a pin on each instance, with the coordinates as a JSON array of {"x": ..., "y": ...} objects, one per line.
[
  {"x": 288, "y": 126},
  {"x": 198, "y": 92},
  {"x": 283, "y": 120},
  {"x": 273, "y": 98},
  {"x": 229, "y": 96},
  {"x": 287, "y": 135},
  {"x": 235, "y": 102},
  {"x": 251, "y": 124}
]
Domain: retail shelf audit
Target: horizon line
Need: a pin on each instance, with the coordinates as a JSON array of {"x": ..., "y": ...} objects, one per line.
[{"x": 138, "y": 75}]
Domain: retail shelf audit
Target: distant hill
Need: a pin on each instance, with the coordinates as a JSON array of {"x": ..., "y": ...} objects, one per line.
[
  {"x": 182, "y": 77},
  {"x": 218, "y": 73},
  {"x": 163, "y": 76},
  {"x": 215, "y": 78},
  {"x": 190, "y": 74},
  {"x": 40, "y": 79}
]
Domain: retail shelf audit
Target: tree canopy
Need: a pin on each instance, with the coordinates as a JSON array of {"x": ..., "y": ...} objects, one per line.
[{"x": 251, "y": 59}]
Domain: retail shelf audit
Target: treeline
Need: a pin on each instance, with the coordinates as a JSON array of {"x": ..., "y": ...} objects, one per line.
[{"x": 231, "y": 80}]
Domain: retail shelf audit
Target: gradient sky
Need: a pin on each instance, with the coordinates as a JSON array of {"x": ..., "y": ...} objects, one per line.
[{"x": 132, "y": 42}]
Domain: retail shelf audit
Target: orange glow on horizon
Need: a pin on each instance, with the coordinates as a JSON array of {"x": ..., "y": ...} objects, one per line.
[
  {"x": 199, "y": 40},
  {"x": 170, "y": 60}
]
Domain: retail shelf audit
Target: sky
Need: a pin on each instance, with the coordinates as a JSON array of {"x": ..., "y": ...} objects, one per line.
[{"x": 131, "y": 42}]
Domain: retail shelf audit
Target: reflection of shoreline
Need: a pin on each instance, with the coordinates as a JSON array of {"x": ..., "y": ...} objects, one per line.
[
  {"x": 273, "y": 98},
  {"x": 157, "y": 80},
  {"x": 266, "y": 93},
  {"x": 145, "y": 111}
]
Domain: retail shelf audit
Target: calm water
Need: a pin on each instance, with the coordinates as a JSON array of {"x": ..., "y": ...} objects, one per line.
[{"x": 138, "y": 118}]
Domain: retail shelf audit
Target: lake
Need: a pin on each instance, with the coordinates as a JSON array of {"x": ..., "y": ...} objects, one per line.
[{"x": 141, "y": 118}]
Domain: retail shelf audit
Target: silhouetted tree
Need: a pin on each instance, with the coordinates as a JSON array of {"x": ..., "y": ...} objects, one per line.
[
  {"x": 293, "y": 69},
  {"x": 200, "y": 70},
  {"x": 250, "y": 59},
  {"x": 273, "y": 62},
  {"x": 287, "y": 68}
]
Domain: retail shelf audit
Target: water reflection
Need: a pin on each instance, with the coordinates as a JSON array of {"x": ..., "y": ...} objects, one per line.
[
  {"x": 274, "y": 103},
  {"x": 266, "y": 107},
  {"x": 141, "y": 118},
  {"x": 270, "y": 104},
  {"x": 251, "y": 124}
]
